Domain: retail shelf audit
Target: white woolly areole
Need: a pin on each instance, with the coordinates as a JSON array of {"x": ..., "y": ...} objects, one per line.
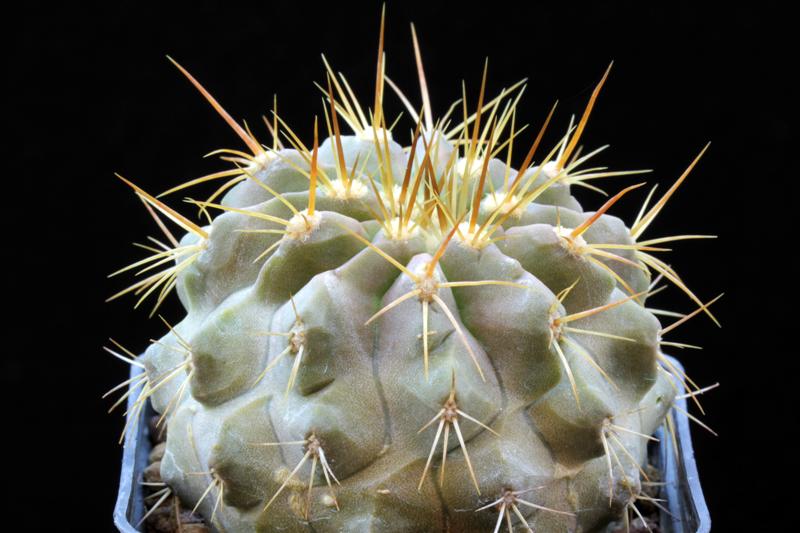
[
  {"x": 340, "y": 191},
  {"x": 302, "y": 225},
  {"x": 467, "y": 238},
  {"x": 428, "y": 285},
  {"x": 575, "y": 243},
  {"x": 261, "y": 161},
  {"x": 504, "y": 202},
  {"x": 550, "y": 169},
  {"x": 399, "y": 231}
]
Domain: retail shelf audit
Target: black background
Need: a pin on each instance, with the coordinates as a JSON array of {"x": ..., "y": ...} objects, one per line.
[{"x": 96, "y": 95}]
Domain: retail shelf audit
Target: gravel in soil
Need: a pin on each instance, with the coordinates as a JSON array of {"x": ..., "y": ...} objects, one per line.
[{"x": 170, "y": 516}]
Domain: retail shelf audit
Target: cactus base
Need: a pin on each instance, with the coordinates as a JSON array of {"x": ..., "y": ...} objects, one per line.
[{"x": 684, "y": 495}]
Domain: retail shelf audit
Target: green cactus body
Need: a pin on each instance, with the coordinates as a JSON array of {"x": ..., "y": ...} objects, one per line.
[{"x": 420, "y": 339}]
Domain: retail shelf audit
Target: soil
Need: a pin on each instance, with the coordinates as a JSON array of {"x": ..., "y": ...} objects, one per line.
[{"x": 170, "y": 516}]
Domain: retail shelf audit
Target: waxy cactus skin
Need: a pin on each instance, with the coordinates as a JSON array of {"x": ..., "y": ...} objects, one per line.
[{"x": 420, "y": 338}]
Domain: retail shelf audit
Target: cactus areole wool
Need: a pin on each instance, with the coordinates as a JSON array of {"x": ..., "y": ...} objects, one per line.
[{"x": 418, "y": 338}]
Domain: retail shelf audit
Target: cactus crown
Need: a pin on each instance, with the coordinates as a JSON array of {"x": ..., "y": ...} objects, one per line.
[{"x": 389, "y": 338}]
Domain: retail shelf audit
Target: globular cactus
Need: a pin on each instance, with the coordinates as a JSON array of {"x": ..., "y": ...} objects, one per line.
[{"x": 380, "y": 338}]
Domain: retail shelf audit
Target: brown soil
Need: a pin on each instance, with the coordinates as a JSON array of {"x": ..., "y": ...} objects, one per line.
[{"x": 170, "y": 516}]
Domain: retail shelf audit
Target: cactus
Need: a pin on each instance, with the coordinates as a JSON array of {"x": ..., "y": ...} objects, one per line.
[{"x": 380, "y": 338}]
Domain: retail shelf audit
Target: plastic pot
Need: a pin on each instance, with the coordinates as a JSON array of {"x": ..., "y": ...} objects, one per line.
[{"x": 688, "y": 512}]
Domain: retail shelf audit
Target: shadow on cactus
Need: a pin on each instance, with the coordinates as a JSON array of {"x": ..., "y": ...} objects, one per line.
[{"x": 420, "y": 338}]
